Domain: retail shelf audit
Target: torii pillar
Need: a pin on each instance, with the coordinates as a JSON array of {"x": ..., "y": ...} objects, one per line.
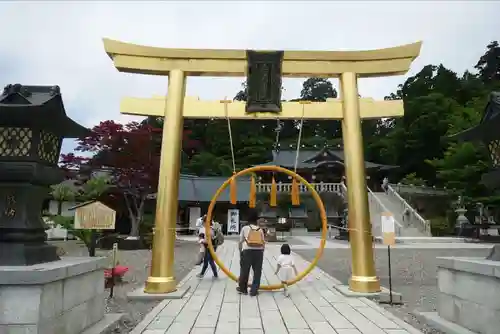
[{"x": 179, "y": 63}]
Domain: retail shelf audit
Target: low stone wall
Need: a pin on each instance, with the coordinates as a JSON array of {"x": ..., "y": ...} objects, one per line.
[
  {"x": 61, "y": 297},
  {"x": 469, "y": 293}
]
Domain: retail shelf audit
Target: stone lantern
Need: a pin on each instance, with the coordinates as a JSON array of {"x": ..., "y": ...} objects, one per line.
[{"x": 33, "y": 124}]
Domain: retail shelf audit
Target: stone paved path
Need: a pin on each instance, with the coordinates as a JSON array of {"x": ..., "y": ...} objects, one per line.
[{"x": 314, "y": 306}]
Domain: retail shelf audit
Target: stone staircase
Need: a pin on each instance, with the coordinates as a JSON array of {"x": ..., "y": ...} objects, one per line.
[
  {"x": 400, "y": 214},
  {"x": 409, "y": 224}
]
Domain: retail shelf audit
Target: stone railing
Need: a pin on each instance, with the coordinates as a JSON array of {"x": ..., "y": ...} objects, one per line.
[
  {"x": 287, "y": 187},
  {"x": 376, "y": 209},
  {"x": 420, "y": 190},
  {"x": 411, "y": 217}
]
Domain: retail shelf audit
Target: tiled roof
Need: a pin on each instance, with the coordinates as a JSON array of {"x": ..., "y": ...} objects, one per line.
[
  {"x": 195, "y": 188},
  {"x": 309, "y": 159},
  {"x": 201, "y": 189},
  {"x": 46, "y": 105}
]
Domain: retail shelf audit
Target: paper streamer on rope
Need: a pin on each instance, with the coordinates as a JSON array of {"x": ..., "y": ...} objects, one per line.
[
  {"x": 295, "y": 193},
  {"x": 233, "y": 191},
  {"x": 253, "y": 193},
  {"x": 274, "y": 194}
]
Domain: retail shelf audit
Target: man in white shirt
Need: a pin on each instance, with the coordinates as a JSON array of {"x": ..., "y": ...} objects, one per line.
[
  {"x": 199, "y": 224},
  {"x": 251, "y": 245}
]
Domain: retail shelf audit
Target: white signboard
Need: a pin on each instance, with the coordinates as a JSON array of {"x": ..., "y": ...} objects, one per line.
[
  {"x": 94, "y": 216},
  {"x": 194, "y": 214},
  {"x": 233, "y": 221},
  {"x": 388, "y": 228}
]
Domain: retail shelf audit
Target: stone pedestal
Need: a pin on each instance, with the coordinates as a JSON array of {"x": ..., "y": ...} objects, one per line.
[
  {"x": 23, "y": 188},
  {"x": 59, "y": 297},
  {"x": 468, "y": 296}
]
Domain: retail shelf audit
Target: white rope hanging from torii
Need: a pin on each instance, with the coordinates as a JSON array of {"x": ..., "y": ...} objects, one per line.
[{"x": 295, "y": 185}]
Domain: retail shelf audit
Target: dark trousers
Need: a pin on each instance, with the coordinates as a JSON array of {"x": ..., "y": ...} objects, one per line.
[
  {"x": 208, "y": 260},
  {"x": 251, "y": 258}
]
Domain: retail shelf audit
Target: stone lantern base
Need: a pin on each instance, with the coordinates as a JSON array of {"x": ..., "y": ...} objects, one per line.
[
  {"x": 26, "y": 254},
  {"x": 23, "y": 237},
  {"x": 23, "y": 188},
  {"x": 59, "y": 297}
]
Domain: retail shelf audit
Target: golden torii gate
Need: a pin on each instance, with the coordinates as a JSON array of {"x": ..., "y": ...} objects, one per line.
[{"x": 177, "y": 64}]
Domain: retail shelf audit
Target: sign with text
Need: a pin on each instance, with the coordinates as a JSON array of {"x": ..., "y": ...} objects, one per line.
[
  {"x": 94, "y": 216},
  {"x": 388, "y": 229},
  {"x": 233, "y": 221},
  {"x": 264, "y": 83}
]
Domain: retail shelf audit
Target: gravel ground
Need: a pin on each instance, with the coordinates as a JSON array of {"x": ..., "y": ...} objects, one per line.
[
  {"x": 414, "y": 275},
  {"x": 138, "y": 262}
]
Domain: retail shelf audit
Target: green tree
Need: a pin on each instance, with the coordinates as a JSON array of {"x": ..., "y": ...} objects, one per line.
[
  {"x": 317, "y": 134},
  {"x": 95, "y": 187},
  {"x": 489, "y": 64},
  {"x": 439, "y": 103},
  {"x": 61, "y": 193}
]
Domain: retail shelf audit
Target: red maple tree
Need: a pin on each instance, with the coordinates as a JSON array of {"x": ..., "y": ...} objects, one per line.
[{"x": 130, "y": 153}]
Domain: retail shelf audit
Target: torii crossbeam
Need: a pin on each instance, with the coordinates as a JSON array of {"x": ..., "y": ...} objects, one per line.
[
  {"x": 177, "y": 64},
  {"x": 196, "y": 108}
]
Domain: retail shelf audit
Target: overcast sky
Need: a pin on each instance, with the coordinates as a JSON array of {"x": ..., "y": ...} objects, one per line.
[{"x": 59, "y": 42}]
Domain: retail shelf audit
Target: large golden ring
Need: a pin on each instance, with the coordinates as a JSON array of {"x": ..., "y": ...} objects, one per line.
[{"x": 317, "y": 199}]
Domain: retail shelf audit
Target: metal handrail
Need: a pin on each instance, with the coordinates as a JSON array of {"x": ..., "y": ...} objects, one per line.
[{"x": 414, "y": 218}]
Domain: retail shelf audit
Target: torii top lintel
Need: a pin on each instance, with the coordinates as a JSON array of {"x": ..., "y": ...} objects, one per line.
[{"x": 133, "y": 58}]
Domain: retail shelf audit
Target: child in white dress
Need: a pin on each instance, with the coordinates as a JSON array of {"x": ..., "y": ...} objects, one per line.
[{"x": 285, "y": 268}]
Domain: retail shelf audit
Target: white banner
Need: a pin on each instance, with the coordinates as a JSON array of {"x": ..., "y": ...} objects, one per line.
[
  {"x": 233, "y": 221},
  {"x": 388, "y": 229},
  {"x": 194, "y": 214},
  {"x": 388, "y": 224}
]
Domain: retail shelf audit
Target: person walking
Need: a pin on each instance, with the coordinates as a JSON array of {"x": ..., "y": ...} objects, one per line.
[
  {"x": 199, "y": 224},
  {"x": 385, "y": 184},
  {"x": 285, "y": 267},
  {"x": 208, "y": 260},
  {"x": 251, "y": 246}
]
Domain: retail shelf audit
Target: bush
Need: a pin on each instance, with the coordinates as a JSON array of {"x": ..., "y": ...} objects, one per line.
[
  {"x": 413, "y": 179},
  {"x": 441, "y": 226},
  {"x": 147, "y": 224},
  {"x": 69, "y": 224}
]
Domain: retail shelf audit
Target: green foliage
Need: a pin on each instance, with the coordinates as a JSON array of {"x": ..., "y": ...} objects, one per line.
[
  {"x": 438, "y": 104},
  {"x": 95, "y": 187},
  {"x": 461, "y": 168},
  {"x": 412, "y": 179},
  {"x": 62, "y": 192},
  {"x": 148, "y": 222},
  {"x": 441, "y": 226},
  {"x": 69, "y": 224}
]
